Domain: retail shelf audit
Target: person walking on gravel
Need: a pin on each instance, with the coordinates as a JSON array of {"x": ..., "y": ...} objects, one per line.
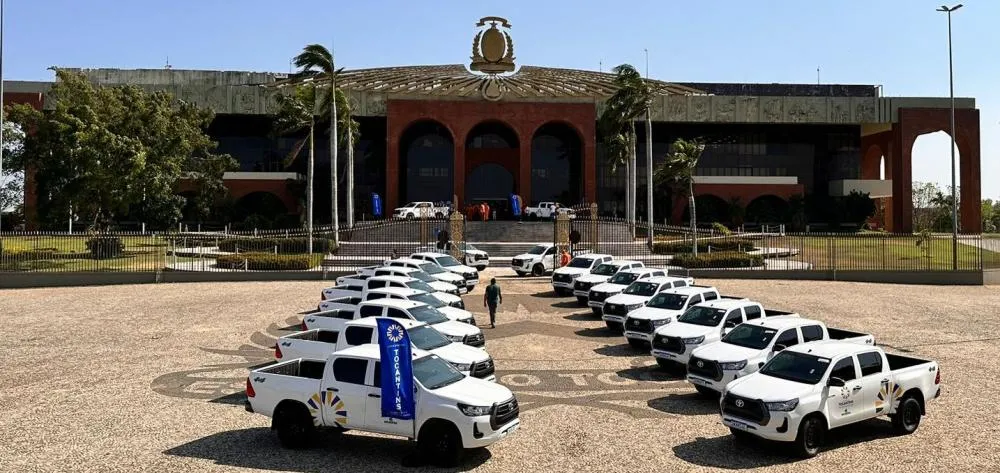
[{"x": 492, "y": 298}]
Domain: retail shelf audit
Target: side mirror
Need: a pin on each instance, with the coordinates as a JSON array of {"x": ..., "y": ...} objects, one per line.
[
  {"x": 730, "y": 325},
  {"x": 778, "y": 347},
  {"x": 835, "y": 382}
]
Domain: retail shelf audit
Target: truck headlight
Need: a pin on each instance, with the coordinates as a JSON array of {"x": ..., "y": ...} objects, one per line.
[
  {"x": 456, "y": 338},
  {"x": 733, "y": 365},
  {"x": 459, "y": 304},
  {"x": 574, "y": 276},
  {"x": 782, "y": 406},
  {"x": 474, "y": 411},
  {"x": 694, "y": 340},
  {"x": 462, "y": 366},
  {"x": 661, "y": 322},
  {"x": 633, "y": 307},
  {"x": 470, "y": 321}
]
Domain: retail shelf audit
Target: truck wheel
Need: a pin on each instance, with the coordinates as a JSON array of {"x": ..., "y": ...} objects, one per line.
[
  {"x": 441, "y": 444},
  {"x": 638, "y": 344},
  {"x": 741, "y": 436},
  {"x": 907, "y": 417},
  {"x": 409, "y": 216},
  {"x": 538, "y": 270},
  {"x": 294, "y": 426},
  {"x": 705, "y": 392},
  {"x": 439, "y": 215},
  {"x": 810, "y": 437},
  {"x": 562, "y": 291},
  {"x": 581, "y": 300}
]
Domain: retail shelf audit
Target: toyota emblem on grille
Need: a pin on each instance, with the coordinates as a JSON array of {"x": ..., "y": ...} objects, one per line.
[
  {"x": 739, "y": 403},
  {"x": 701, "y": 364}
]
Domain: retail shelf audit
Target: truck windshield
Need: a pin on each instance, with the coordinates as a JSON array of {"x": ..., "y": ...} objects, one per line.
[
  {"x": 797, "y": 367},
  {"x": 426, "y": 338},
  {"x": 666, "y": 300},
  {"x": 447, "y": 261},
  {"x": 428, "y": 315},
  {"x": 420, "y": 286},
  {"x": 429, "y": 300},
  {"x": 641, "y": 288},
  {"x": 431, "y": 268},
  {"x": 750, "y": 336},
  {"x": 433, "y": 372},
  {"x": 623, "y": 278},
  {"x": 422, "y": 276},
  {"x": 409, "y": 205},
  {"x": 581, "y": 263},
  {"x": 707, "y": 316},
  {"x": 537, "y": 250},
  {"x": 605, "y": 270}
]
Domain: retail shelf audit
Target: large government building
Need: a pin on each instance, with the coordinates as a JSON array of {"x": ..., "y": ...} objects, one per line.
[{"x": 483, "y": 130}]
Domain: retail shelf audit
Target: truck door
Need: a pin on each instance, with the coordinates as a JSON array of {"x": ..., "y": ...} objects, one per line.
[
  {"x": 344, "y": 400},
  {"x": 874, "y": 384},
  {"x": 373, "y": 419},
  {"x": 844, "y": 403},
  {"x": 548, "y": 260}
]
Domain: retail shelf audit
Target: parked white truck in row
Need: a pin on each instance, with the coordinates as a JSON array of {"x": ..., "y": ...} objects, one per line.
[
  {"x": 635, "y": 296},
  {"x": 320, "y": 343},
  {"x": 421, "y": 209},
  {"x": 616, "y": 284},
  {"x": 446, "y": 282},
  {"x": 748, "y": 346},
  {"x": 397, "y": 309},
  {"x": 453, "y": 412},
  {"x": 563, "y": 278},
  {"x": 808, "y": 389},
  {"x": 599, "y": 275},
  {"x": 449, "y": 263},
  {"x": 539, "y": 260},
  {"x": 433, "y": 269},
  {"x": 548, "y": 210},
  {"x": 401, "y": 293},
  {"x": 357, "y": 286},
  {"x": 663, "y": 308}
]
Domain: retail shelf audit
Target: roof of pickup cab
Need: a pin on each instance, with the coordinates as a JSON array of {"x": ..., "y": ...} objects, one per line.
[
  {"x": 408, "y": 261},
  {"x": 399, "y": 291},
  {"x": 642, "y": 270},
  {"x": 429, "y": 253},
  {"x": 663, "y": 279},
  {"x": 724, "y": 303},
  {"x": 373, "y": 321},
  {"x": 830, "y": 348},
  {"x": 780, "y": 322},
  {"x": 401, "y": 269},
  {"x": 372, "y": 351},
  {"x": 396, "y": 303},
  {"x": 622, "y": 262},
  {"x": 685, "y": 290},
  {"x": 390, "y": 277},
  {"x": 592, "y": 255}
]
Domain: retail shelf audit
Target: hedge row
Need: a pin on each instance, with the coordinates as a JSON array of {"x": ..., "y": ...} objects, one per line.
[
  {"x": 269, "y": 261},
  {"x": 676, "y": 247},
  {"x": 721, "y": 259},
  {"x": 297, "y": 245}
]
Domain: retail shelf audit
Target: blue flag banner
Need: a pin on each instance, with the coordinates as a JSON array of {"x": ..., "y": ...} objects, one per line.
[
  {"x": 397, "y": 369},
  {"x": 376, "y": 204},
  {"x": 515, "y": 205}
]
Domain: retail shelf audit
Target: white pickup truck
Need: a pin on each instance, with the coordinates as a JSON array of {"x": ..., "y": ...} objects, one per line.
[
  {"x": 474, "y": 257},
  {"x": 319, "y": 343},
  {"x": 748, "y": 346},
  {"x": 635, "y": 296},
  {"x": 449, "y": 263},
  {"x": 548, "y": 210},
  {"x": 808, "y": 389},
  {"x": 563, "y": 278},
  {"x": 599, "y": 275},
  {"x": 539, "y": 260},
  {"x": 663, "y": 308},
  {"x": 433, "y": 269},
  {"x": 702, "y": 324},
  {"x": 452, "y": 411},
  {"x": 402, "y": 293},
  {"x": 398, "y": 309},
  {"x": 616, "y": 284},
  {"x": 451, "y": 287},
  {"x": 421, "y": 209},
  {"x": 348, "y": 286}
]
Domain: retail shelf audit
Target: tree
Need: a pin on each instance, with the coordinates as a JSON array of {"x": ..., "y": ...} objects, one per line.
[
  {"x": 105, "y": 152},
  {"x": 12, "y": 175},
  {"x": 350, "y": 131},
  {"x": 617, "y": 124},
  {"x": 991, "y": 215},
  {"x": 924, "y": 194},
  {"x": 297, "y": 112},
  {"x": 677, "y": 171}
]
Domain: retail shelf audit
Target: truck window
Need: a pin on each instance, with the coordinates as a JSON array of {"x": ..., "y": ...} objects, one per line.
[
  {"x": 377, "y": 379},
  {"x": 358, "y": 335},
  {"x": 871, "y": 363},
  {"x": 397, "y": 314},
  {"x": 550, "y": 251},
  {"x": 344, "y": 314},
  {"x": 376, "y": 284},
  {"x": 695, "y": 299},
  {"x": 680, "y": 283},
  {"x": 813, "y": 332},
  {"x": 374, "y": 295},
  {"x": 710, "y": 296},
  {"x": 350, "y": 370},
  {"x": 788, "y": 338},
  {"x": 734, "y": 318},
  {"x": 397, "y": 284},
  {"x": 753, "y": 312},
  {"x": 844, "y": 369},
  {"x": 370, "y": 311}
]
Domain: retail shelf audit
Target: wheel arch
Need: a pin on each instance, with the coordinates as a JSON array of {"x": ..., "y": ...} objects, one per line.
[
  {"x": 436, "y": 422},
  {"x": 287, "y": 404},
  {"x": 822, "y": 417},
  {"x": 917, "y": 394}
]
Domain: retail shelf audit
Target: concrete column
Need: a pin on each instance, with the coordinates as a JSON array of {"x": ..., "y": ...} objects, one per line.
[
  {"x": 970, "y": 181},
  {"x": 524, "y": 171},
  {"x": 460, "y": 172},
  {"x": 392, "y": 182}
]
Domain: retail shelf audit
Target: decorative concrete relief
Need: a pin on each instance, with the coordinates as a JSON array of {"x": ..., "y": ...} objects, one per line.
[
  {"x": 773, "y": 109},
  {"x": 244, "y": 99},
  {"x": 724, "y": 109},
  {"x": 749, "y": 108},
  {"x": 375, "y": 104},
  {"x": 805, "y": 110},
  {"x": 840, "y": 110},
  {"x": 865, "y": 110},
  {"x": 701, "y": 110},
  {"x": 656, "y": 107},
  {"x": 677, "y": 106},
  {"x": 217, "y": 98},
  {"x": 271, "y": 101}
]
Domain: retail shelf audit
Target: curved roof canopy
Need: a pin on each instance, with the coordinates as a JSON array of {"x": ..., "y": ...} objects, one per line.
[{"x": 456, "y": 81}]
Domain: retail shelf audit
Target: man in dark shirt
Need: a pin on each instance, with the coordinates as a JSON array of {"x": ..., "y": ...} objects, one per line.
[{"x": 491, "y": 299}]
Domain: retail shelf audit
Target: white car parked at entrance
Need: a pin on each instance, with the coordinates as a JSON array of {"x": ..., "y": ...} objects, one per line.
[
  {"x": 616, "y": 284},
  {"x": 563, "y": 278},
  {"x": 599, "y": 275},
  {"x": 635, "y": 296}
]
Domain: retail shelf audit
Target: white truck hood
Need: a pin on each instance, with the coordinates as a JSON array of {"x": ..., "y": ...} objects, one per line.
[
  {"x": 456, "y": 329},
  {"x": 626, "y": 299},
  {"x": 461, "y": 268},
  {"x": 475, "y": 392},
  {"x": 725, "y": 352},
  {"x": 461, "y": 353},
  {"x": 475, "y": 252},
  {"x": 454, "y": 313},
  {"x": 768, "y": 388},
  {"x": 446, "y": 298},
  {"x": 652, "y": 313},
  {"x": 593, "y": 278},
  {"x": 608, "y": 288},
  {"x": 683, "y": 330},
  {"x": 567, "y": 270},
  {"x": 527, "y": 256},
  {"x": 448, "y": 277}
]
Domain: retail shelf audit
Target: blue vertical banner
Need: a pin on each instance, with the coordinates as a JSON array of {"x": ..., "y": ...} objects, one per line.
[
  {"x": 397, "y": 369},
  {"x": 376, "y": 204},
  {"x": 515, "y": 205}
]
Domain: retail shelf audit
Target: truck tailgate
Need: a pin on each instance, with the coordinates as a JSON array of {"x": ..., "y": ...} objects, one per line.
[
  {"x": 295, "y": 379},
  {"x": 317, "y": 344},
  {"x": 849, "y": 336}
]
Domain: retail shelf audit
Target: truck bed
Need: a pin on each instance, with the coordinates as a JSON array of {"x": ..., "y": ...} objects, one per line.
[
  {"x": 312, "y": 369},
  {"x": 318, "y": 335},
  {"x": 776, "y": 313},
  {"x": 898, "y": 362},
  {"x": 839, "y": 334}
]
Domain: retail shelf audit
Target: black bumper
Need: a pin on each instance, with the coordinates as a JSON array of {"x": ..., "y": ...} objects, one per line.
[{"x": 247, "y": 406}]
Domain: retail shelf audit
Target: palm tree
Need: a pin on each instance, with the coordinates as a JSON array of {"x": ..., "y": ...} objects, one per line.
[
  {"x": 297, "y": 112},
  {"x": 677, "y": 171},
  {"x": 350, "y": 130},
  {"x": 617, "y": 124}
]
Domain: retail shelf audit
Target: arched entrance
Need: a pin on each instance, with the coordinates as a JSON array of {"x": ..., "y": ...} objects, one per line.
[
  {"x": 427, "y": 159},
  {"x": 767, "y": 209},
  {"x": 489, "y": 181},
  {"x": 556, "y": 164},
  {"x": 491, "y": 162}
]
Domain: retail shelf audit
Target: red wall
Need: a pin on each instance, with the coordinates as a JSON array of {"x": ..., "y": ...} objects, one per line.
[{"x": 30, "y": 188}]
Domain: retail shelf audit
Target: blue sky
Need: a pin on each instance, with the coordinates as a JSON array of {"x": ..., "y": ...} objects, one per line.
[{"x": 901, "y": 44}]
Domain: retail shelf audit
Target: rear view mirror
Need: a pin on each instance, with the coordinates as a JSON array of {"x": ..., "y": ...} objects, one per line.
[
  {"x": 731, "y": 325},
  {"x": 835, "y": 382},
  {"x": 778, "y": 347}
]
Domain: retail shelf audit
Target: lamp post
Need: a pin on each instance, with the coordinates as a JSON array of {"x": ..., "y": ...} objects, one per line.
[
  {"x": 1, "y": 110},
  {"x": 951, "y": 93},
  {"x": 649, "y": 166}
]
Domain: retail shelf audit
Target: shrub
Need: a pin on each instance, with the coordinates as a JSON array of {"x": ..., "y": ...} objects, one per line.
[
  {"x": 722, "y": 229},
  {"x": 722, "y": 259},
  {"x": 269, "y": 261},
  {"x": 679, "y": 247},
  {"x": 102, "y": 247},
  {"x": 293, "y": 245}
]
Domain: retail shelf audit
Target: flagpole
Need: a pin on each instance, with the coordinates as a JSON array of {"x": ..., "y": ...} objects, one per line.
[{"x": 2, "y": 180}]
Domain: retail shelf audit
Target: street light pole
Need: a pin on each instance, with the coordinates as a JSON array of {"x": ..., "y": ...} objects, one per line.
[
  {"x": 951, "y": 93},
  {"x": 1, "y": 111},
  {"x": 649, "y": 166}
]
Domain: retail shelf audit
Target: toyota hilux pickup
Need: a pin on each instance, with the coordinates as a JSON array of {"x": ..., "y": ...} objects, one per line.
[
  {"x": 661, "y": 309},
  {"x": 352, "y": 287},
  {"x": 398, "y": 309},
  {"x": 616, "y": 284},
  {"x": 537, "y": 261},
  {"x": 449, "y": 263},
  {"x": 319, "y": 343},
  {"x": 473, "y": 256},
  {"x": 403, "y": 293},
  {"x": 702, "y": 324},
  {"x": 452, "y": 412},
  {"x": 405, "y": 271},
  {"x": 809, "y": 389},
  {"x": 563, "y": 278},
  {"x": 751, "y": 344},
  {"x": 421, "y": 210},
  {"x": 600, "y": 275},
  {"x": 635, "y": 296},
  {"x": 433, "y": 269}
]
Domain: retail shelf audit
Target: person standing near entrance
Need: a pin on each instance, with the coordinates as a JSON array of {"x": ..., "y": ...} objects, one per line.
[{"x": 492, "y": 298}]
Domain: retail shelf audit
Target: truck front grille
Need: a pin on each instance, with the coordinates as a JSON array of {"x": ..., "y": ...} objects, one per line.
[
  {"x": 597, "y": 296},
  {"x": 704, "y": 368},
  {"x": 745, "y": 408},
  {"x": 476, "y": 340},
  {"x": 582, "y": 286},
  {"x": 614, "y": 309},
  {"x": 639, "y": 325},
  {"x": 562, "y": 278},
  {"x": 504, "y": 412},
  {"x": 671, "y": 344},
  {"x": 482, "y": 369}
]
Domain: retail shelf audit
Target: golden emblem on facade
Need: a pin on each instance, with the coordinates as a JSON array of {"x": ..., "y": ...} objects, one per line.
[{"x": 492, "y": 49}]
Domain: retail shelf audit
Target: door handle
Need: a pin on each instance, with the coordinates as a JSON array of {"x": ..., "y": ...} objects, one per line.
[
  {"x": 886, "y": 380},
  {"x": 374, "y": 395},
  {"x": 333, "y": 389},
  {"x": 857, "y": 388}
]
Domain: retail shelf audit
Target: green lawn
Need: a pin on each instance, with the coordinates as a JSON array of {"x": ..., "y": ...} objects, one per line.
[
  {"x": 69, "y": 253},
  {"x": 876, "y": 253}
]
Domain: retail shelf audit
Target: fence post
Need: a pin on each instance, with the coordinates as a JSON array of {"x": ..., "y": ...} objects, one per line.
[{"x": 883, "y": 254}]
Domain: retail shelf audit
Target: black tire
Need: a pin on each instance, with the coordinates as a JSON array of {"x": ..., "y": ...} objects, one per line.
[
  {"x": 563, "y": 291},
  {"x": 581, "y": 300},
  {"x": 614, "y": 326},
  {"x": 440, "y": 444},
  {"x": 480, "y": 268},
  {"x": 538, "y": 270},
  {"x": 638, "y": 344},
  {"x": 810, "y": 437},
  {"x": 907, "y": 417},
  {"x": 741, "y": 436},
  {"x": 597, "y": 311},
  {"x": 294, "y": 426},
  {"x": 439, "y": 215},
  {"x": 706, "y": 392},
  {"x": 666, "y": 365},
  {"x": 520, "y": 274},
  {"x": 409, "y": 216}
]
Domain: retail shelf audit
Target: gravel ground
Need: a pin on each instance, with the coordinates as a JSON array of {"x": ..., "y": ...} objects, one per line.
[{"x": 135, "y": 378}]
